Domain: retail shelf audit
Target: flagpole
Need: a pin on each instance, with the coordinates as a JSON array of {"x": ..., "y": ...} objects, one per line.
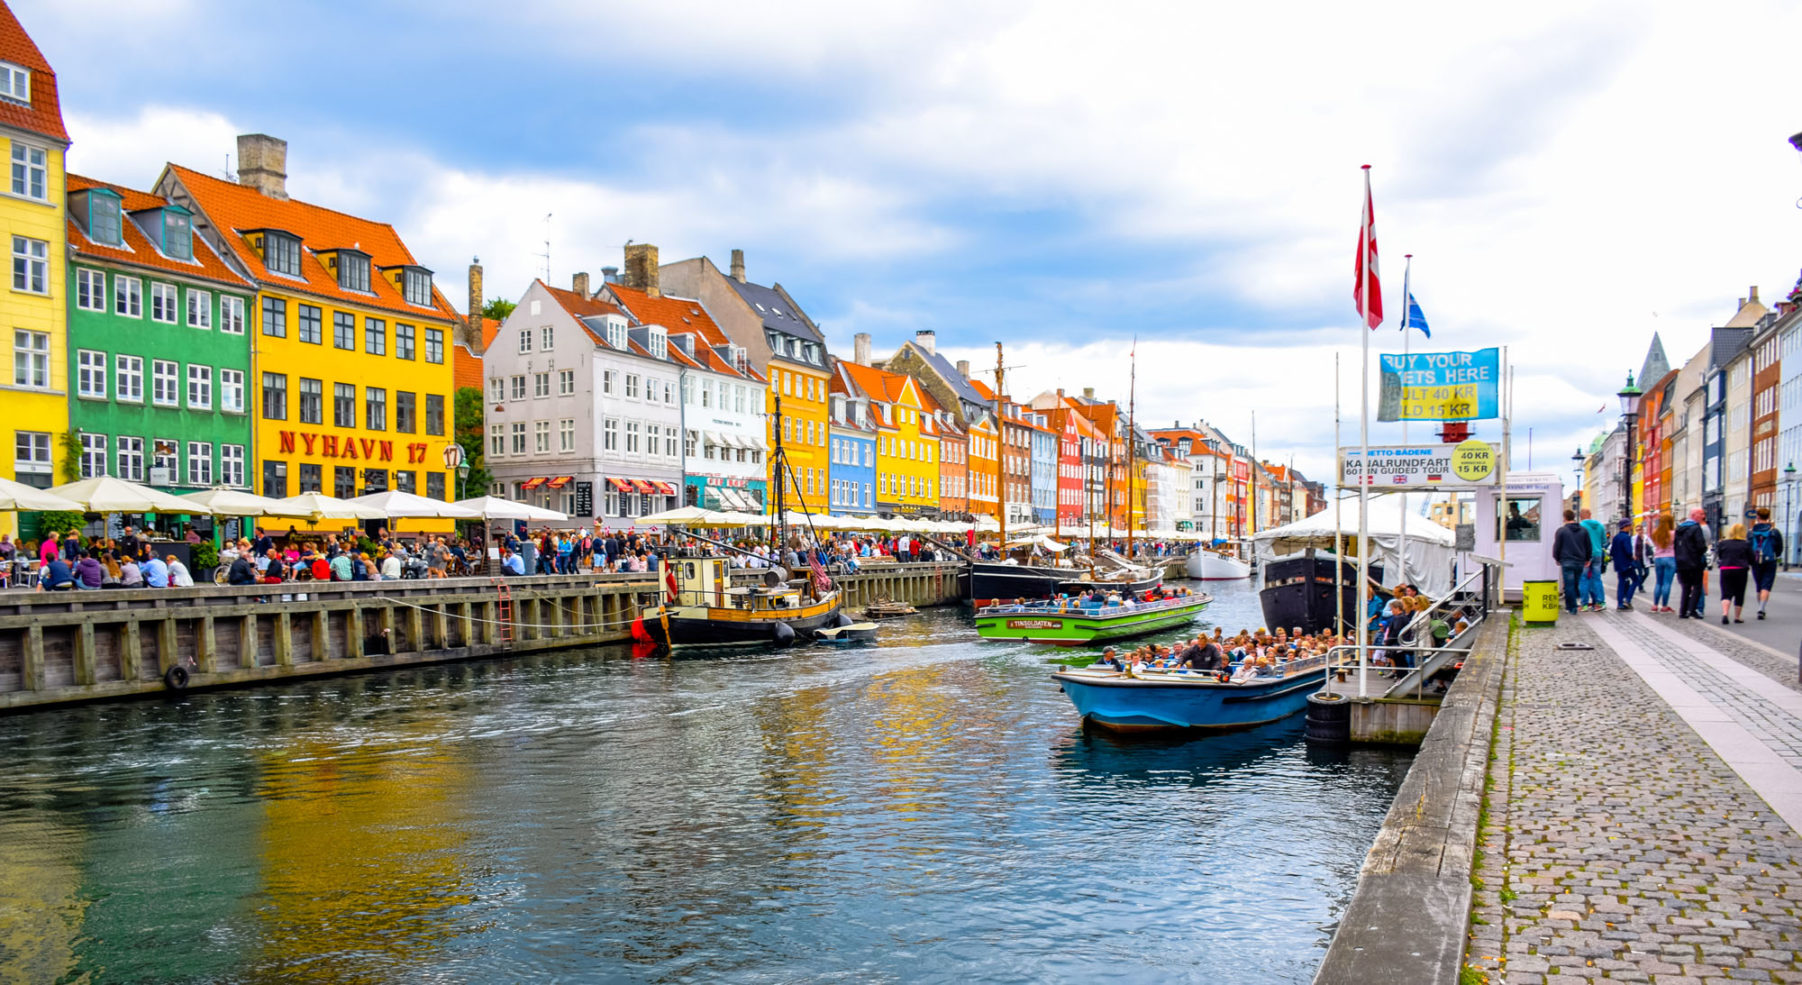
[
  {"x": 1407, "y": 322},
  {"x": 1338, "y": 512},
  {"x": 1365, "y": 255}
]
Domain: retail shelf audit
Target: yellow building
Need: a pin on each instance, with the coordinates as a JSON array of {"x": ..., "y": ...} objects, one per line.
[
  {"x": 34, "y": 399},
  {"x": 907, "y": 440},
  {"x": 798, "y": 387},
  {"x": 350, "y": 372}
]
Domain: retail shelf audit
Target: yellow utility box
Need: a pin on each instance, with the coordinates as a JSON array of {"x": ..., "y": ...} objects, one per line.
[{"x": 1539, "y": 602}]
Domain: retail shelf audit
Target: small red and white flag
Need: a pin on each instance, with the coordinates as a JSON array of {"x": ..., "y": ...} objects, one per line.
[{"x": 1371, "y": 307}]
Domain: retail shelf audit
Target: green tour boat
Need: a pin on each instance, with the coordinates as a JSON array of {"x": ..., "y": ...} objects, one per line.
[{"x": 1063, "y": 622}]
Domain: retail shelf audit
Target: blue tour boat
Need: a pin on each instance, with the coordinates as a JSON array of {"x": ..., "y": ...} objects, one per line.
[{"x": 1177, "y": 699}]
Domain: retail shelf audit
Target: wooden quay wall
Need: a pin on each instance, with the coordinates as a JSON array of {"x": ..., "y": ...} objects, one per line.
[{"x": 84, "y": 646}]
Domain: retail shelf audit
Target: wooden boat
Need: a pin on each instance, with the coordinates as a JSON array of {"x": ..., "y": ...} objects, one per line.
[
  {"x": 705, "y": 607},
  {"x": 993, "y": 582},
  {"x": 1298, "y": 590},
  {"x": 1153, "y": 700},
  {"x": 1206, "y": 565},
  {"x": 888, "y": 609},
  {"x": 1062, "y": 623}
]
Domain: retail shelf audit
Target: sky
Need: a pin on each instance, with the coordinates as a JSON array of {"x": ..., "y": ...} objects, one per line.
[{"x": 1077, "y": 182}]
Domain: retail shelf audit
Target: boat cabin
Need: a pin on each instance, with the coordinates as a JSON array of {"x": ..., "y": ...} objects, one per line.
[{"x": 714, "y": 582}]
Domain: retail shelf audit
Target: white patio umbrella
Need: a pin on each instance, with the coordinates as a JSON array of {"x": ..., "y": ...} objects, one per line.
[
  {"x": 496, "y": 508},
  {"x": 733, "y": 518},
  {"x": 397, "y": 505},
  {"x": 105, "y": 494},
  {"x": 318, "y": 506},
  {"x": 681, "y": 516},
  {"x": 19, "y": 496},
  {"x": 236, "y": 502}
]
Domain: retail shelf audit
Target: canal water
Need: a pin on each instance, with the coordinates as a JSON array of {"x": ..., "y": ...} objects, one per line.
[{"x": 927, "y": 809}]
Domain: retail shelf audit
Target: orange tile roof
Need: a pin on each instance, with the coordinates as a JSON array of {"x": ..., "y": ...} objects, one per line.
[
  {"x": 138, "y": 250},
  {"x": 880, "y": 384},
  {"x": 466, "y": 367},
  {"x": 236, "y": 209},
  {"x": 490, "y": 328},
  {"x": 674, "y": 314},
  {"x": 45, "y": 114}
]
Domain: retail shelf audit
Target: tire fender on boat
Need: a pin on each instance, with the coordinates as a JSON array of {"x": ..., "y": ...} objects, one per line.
[
  {"x": 783, "y": 634},
  {"x": 176, "y": 678}
]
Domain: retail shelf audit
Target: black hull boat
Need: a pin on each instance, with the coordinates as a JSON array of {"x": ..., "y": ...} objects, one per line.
[
  {"x": 1298, "y": 591},
  {"x": 703, "y": 605},
  {"x": 991, "y": 582}
]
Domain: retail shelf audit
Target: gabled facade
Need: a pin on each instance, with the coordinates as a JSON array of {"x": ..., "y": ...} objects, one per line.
[
  {"x": 954, "y": 465},
  {"x": 952, "y": 386},
  {"x": 34, "y": 397},
  {"x": 853, "y": 447},
  {"x": 1767, "y": 374},
  {"x": 907, "y": 440},
  {"x": 983, "y": 496},
  {"x": 350, "y": 338},
  {"x": 159, "y": 350},
  {"x": 1043, "y": 482}
]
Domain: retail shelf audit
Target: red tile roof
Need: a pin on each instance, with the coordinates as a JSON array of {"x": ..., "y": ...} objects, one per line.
[
  {"x": 880, "y": 384},
  {"x": 674, "y": 314},
  {"x": 44, "y": 115},
  {"x": 466, "y": 366},
  {"x": 138, "y": 250},
  {"x": 236, "y": 209}
]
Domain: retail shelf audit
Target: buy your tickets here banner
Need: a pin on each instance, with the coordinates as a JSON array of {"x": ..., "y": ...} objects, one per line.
[{"x": 1439, "y": 386}]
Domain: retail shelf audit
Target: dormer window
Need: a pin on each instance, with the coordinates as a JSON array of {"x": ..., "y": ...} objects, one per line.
[
  {"x": 657, "y": 342},
  {"x": 97, "y": 209},
  {"x": 353, "y": 271},
  {"x": 616, "y": 332},
  {"x": 178, "y": 233},
  {"x": 281, "y": 253},
  {"x": 737, "y": 354},
  {"x": 15, "y": 82},
  {"x": 416, "y": 287}
]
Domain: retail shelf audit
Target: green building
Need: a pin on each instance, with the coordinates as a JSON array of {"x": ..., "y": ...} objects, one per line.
[{"x": 159, "y": 352}]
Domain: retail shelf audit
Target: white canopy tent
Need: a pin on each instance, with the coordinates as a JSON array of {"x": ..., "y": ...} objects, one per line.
[
  {"x": 315, "y": 507},
  {"x": 1429, "y": 550},
  {"x": 19, "y": 496},
  {"x": 397, "y": 505},
  {"x": 236, "y": 502},
  {"x": 496, "y": 508}
]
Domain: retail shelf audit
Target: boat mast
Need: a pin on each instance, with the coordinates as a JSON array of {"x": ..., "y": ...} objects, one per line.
[
  {"x": 1132, "y": 438},
  {"x": 779, "y": 529},
  {"x": 1000, "y": 452}
]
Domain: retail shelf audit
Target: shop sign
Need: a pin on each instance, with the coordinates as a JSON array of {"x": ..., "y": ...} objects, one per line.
[
  {"x": 349, "y": 447},
  {"x": 585, "y": 499}
]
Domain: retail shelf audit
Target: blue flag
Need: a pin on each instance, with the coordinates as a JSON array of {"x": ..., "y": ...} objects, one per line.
[{"x": 1415, "y": 318}]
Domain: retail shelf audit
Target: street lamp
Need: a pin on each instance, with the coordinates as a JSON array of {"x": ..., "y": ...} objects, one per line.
[
  {"x": 1577, "y": 470},
  {"x": 1790, "y": 476},
  {"x": 1629, "y": 395}
]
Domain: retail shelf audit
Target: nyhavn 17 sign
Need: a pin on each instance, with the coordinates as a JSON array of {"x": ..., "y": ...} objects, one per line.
[{"x": 1439, "y": 386}]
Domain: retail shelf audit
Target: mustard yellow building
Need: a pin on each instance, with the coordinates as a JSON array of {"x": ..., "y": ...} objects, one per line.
[
  {"x": 907, "y": 440},
  {"x": 34, "y": 397},
  {"x": 351, "y": 374}
]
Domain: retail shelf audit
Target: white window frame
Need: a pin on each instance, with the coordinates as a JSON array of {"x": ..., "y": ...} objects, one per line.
[
  {"x": 541, "y": 437},
  {"x": 90, "y": 374},
  {"x": 31, "y": 265},
  {"x": 30, "y": 171},
  {"x": 128, "y": 457},
  {"x": 165, "y": 303},
  {"x": 15, "y": 82},
  {"x": 200, "y": 387},
  {"x": 94, "y": 455},
  {"x": 497, "y": 440},
  {"x": 497, "y": 389},
  {"x": 88, "y": 295},
  {"x": 566, "y": 435},
  {"x": 128, "y": 296},
  {"x": 31, "y": 359},
  {"x": 165, "y": 376},
  {"x": 566, "y": 383},
  {"x": 201, "y": 452},
  {"x": 231, "y": 315},
  {"x": 231, "y": 391},
  {"x": 546, "y": 336},
  {"x": 519, "y": 386},
  {"x": 128, "y": 378},
  {"x": 541, "y": 385},
  {"x": 519, "y": 437},
  {"x": 31, "y": 453},
  {"x": 231, "y": 465},
  {"x": 631, "y": 386},
  {"x": 200, "y": 309},
  {"x": 525, "y": 340}
]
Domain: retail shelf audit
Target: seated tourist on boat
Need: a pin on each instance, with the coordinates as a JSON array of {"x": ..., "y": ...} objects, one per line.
[
  {"x": 1200, "y": 656},
  {"x": 1111, "y": 659}
]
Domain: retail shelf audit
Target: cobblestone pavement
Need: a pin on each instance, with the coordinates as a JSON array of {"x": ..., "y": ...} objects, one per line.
[
  {"x": 1618, "y": 845},
  {"x": 1778, "y": 667}
]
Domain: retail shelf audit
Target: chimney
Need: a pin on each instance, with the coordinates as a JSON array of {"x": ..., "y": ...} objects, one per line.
[
  {"x": 641, "y": 268},
  {"x": 263, "y": 164},
  {"x": 475, "y": 300},
  {"x": 579, "y": 284},
  {"x": 609, "y": 275},
  {"x": 860, "y": 346},
  {"x": 1754, "y": 290},
  {"x": 738, "y": 267},
  {"x": 1088, "y": 393},
  {"x": 926, "y": 339},
  {"x": 963, "y": 368}
]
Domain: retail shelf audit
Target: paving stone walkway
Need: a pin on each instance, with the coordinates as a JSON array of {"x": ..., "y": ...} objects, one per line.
[{"x": 1619, "y": 844}]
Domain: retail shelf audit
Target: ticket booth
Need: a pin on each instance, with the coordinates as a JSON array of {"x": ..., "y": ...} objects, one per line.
[{"x": 1517, "y": 522}]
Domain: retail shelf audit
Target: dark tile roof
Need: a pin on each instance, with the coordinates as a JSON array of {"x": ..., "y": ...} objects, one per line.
[
  {"x": 776, "y": 312},
  {"x": 965, "y": 391}
]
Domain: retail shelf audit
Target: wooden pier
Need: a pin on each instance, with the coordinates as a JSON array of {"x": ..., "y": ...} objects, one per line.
[{"x": 85, "y": 646}]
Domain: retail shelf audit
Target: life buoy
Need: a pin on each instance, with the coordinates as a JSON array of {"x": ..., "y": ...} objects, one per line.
[{"x": 176, "y": 678}]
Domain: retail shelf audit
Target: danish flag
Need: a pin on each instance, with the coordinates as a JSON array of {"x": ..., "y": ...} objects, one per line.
[{"x": 1367, "y": 263}]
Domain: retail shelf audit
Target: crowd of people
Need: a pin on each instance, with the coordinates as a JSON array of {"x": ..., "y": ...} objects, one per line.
[
  {"x": 69, "y": 561},
  {"x": 1670, "y": 554},
  {"x": 1242, "y": 656}
]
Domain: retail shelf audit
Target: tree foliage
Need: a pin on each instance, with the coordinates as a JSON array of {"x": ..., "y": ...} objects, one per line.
[
  {"x": 498, "y": 309},
  {"x": 470, "y": 410}
]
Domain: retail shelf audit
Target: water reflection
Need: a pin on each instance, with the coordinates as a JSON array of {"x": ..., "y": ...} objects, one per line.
[{"x": 924, "y": 810}]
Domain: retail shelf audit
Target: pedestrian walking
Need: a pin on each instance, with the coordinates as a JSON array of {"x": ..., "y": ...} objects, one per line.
[
  {"x": 1664, "y": 563},
  {"x": 1626, "y": 566},
  {"x": 1733, "y": 555},
  {"x": 1593, "y": 598},
  {"x": 1690, "y": 551},
  {"x": 1767, "y": 547},
  {"x": 1571, "y": 551}
]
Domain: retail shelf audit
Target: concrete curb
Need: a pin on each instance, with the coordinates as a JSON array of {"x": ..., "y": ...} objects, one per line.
[{"x": 1408, "y": 919}]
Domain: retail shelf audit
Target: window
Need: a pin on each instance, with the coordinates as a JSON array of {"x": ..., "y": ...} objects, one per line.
[
  {"x": 165, "y": 382},
  {"x": 130, "y": 458},
  {"x": 312, "y": 402},
  {"x": 546, "y": 335},
  {"x": 200, "y": 463},
  {"x": 566, "y": 435},
  {"x": 30, "y": 172},
  {"x": 200, "y": 309},
  {"x": 669, "y": 444},
  {"x": 200, "y": 388},
  {"x": 165, "y": 464},
  {"x": 312, "y": 324},
  {"x": 275, "y": 317},
  {"x": 434, "y": 413},
  {"x": 231, "y": 390},
  {"x": 344, "y": 330},
  {"x": 525, "y": 340},
  {"x": 616, "y": 333},
  {"x": 178, "y": 235},
  {"x": 275, "y": 479},
  {"x": 403, "y": 341},
  {"x": 606, "y": 381},
  {"x": 566, "y": 382},
  {"x": 434, "y": 345},
  {"x": 497, "y": 389},
  {"x": 90, "y": 374},
  {"x": 93, "y": 455},
  {"x": 353, "y": 272},
  {"x": 375, "y": 336},
  {"x": 103, "y": 218},
  {"x": 90, "y": 290},
  {"x": 31, "y": 265},
  {"x": 275, "y": 397},
  {"x": 651, "y": 432},
  {"x": 231, "y": 315},
  {"x": 541, "y": 436},
  {"x": 15, "y": 83},
  {"x": 519, "y": 388},
  {"x": 344, "y": 481},
  {"x": 519, "y": 437},
  {"x": 610, "y": 435},
  {"x": 497, "y": 440},
  {"x": 541, "y": 385},
  {"x": 631, "y": 437},
  {"x": 632, "y": 385},
  {"x": 31, "y": 452},
  {"x": 128, "y": 378},
  {"x": 231, "y": 465},
  {"x": 281, "y": 254},
  {"x": 403, "y": 411},
  {"x": 669, "y": 392},
  {"x": 403, "y": 480},
  {"x": 311, "y": 476},
  {"x": 375, "y": 480},
  {"x": 375, "y": 408},
  {"x": 434, "y": 485},
  {"x": 416, "y": 287}
]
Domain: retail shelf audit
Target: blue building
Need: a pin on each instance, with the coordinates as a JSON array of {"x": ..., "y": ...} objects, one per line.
[
  {"x": 1044, "y": 469},
  {"x": 1723, "y": 495},
  {"x": 852, "y": 438}
]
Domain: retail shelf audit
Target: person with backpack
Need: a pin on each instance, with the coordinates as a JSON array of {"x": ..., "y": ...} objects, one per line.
[
  {"x": 1690, "y": 550},
  {"x": 1767, "y": 549},
  {"x": 1593, "y": 598}
]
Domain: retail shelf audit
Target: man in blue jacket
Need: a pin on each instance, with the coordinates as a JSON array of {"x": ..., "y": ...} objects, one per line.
[
  {"x": 1571, "y": 552},
  {"x": 1626, "y": 566},
  {"x": 1593, "y": 599}
]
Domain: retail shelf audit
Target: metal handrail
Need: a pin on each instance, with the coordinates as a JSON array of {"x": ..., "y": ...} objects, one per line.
[
  {"x": 1411, "y": 631},
  {"x": 1046, "y": 608}
]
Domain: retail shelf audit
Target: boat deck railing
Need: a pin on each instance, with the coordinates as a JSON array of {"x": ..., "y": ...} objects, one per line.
[
  {"x": 1293, "y": 668},
  {"x": 1091, "y": 611}
]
